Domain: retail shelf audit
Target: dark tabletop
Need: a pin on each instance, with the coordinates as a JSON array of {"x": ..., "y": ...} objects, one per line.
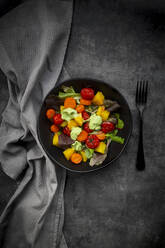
[{"x": 118, "y": 42}]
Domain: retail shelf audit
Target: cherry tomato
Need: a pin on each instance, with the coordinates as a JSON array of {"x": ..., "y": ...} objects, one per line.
[
  {"x": 86, "y": 127},
  {"x": 87, "y": 93},
  {"x": 85, "y": 115},
  {"x": 66, "y": 131},
  {"x": 92, "y": 141},
  {"x": 57, "y": 119},
  {"x": 107, "y": 127},
  {"x": 54, "y": 128},
  {"x": 50, "y": 113}
]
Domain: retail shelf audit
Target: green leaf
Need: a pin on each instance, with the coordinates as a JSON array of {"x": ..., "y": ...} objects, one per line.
[
  {"x": 89, "y": 152},
  {"x": 68, "y": 89},
  {"x": 69, "y": 94},
  {"x": 114, "y": 137},
  {"x": 117, "y": 139},
  {"x": 120, "y": 124}
]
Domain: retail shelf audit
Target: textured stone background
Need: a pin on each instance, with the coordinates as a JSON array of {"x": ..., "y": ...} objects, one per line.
[{"x": 119, "y": 42}]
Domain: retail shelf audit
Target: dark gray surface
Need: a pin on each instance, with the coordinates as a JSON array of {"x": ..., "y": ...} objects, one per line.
[{"x": 118, "y": 42}]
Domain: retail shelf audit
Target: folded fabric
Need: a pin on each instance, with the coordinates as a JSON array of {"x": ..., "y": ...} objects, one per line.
[{"x": 33, "y": 43}]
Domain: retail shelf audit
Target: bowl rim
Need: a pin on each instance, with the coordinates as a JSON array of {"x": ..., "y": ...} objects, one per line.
[{"x": 93, "y": 168}]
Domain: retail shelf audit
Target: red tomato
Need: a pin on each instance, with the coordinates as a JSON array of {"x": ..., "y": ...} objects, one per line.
[
  {"x": 85, "y": 115},
  {"x": 87, "y": 93},
  {"x": 86, "y": 127},
  {"x": 107, "y": 127},
  {"x": 66, "y": 131},
  {"x": 92, "y": 141},
  {"x": 57, "y": 119}
]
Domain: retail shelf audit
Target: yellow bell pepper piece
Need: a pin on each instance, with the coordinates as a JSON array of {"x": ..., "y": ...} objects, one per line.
[
  {"x": 64, "y": 124},
  {"x": 68, "y": 153},
  {"x": 84, "y": 157},
  {"x": 98, "y": 98},
  {"x": 101, "y": 148},
  {"x": 72, "y": 124},
  {"x": 79, "y": 120},
  {"x": 100, "y": 110},
  {"x": 105, "y": 115},
  {"x": 55, "y": 139},
  {"x": 61, "y": 107}
]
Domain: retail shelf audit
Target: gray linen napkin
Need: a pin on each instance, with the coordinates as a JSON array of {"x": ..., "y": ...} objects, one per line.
[{"x": 33, "y": 43}]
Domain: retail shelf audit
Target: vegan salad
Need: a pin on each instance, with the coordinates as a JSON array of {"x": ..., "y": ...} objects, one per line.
[{"x": 83, "y": 124}]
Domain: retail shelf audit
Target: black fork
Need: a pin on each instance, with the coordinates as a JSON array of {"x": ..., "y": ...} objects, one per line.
[{"x": 141, "y": 101}]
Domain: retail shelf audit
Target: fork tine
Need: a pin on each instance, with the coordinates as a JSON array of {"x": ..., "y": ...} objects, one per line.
[
  {"x": 143, "y": 91},
  {"x": 140, "y": 92},
  {"x": 137, "y": 91},
  {"x": 146, "y": 92}
]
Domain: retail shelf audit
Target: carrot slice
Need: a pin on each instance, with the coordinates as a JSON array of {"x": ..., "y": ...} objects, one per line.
[
  {"x": 76, "y": 158},
  {"x": 82, "y": 136},
  {"x": 50, "y": 113},
  {"x": 101, "y": 136},
  {"x": 70, "y": 102},
  {"x": 80, "y": 108},
  {"x": 54, "y": 128},
  {"x": 85, "y": 102}
]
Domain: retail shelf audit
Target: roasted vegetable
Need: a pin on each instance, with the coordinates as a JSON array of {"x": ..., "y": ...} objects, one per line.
[
  {"x": 50, "y": 113},
  {"x": 101, "y": 148},
  {"x": 76, "y": 158},
  {"x": 71, "y": 124},
  {"x": 68, "y": 153},
  {"x": 100, "y": 110},
  {"x": 79, "y": 119},
  {"x": 85, "y": 102},
  {"x": 80, "y": 108},
  {"x": 82, "y": 136},
  {"x": 98, "y": 98},
  {"x": 64, "y": 124},
  {"x": 55, "y": 139},
  {"x": 84, "y": 157},
  {"x": 70, "y": 102},
  {"x": 54, "y": 128},
  {"x": 62, "y": 107}
]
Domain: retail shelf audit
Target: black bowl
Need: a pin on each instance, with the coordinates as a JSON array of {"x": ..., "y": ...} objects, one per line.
[{"x": 115, "y": 149}]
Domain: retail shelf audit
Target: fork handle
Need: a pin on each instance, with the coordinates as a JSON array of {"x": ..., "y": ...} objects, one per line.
[{"x": 140, "y": 161}]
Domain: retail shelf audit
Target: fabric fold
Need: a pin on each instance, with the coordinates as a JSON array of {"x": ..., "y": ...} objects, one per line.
[{"x": 32, "y": 54}]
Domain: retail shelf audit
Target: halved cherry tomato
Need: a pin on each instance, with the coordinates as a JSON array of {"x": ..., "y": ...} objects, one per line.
[
  {"x": 66, "y": 131},
  {"x": 107, "y": 127},
  {"x": 85, "y": 115},
  {"x": 57, "y": 119}
]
